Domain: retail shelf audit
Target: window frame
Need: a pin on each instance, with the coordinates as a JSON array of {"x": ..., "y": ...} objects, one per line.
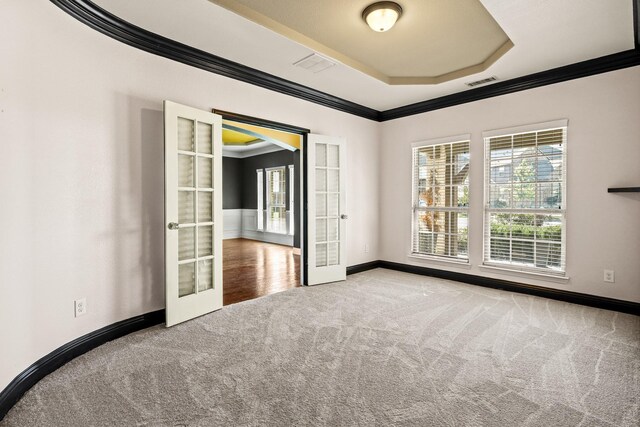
[
  {"x": 488, "y": 210},
  {"x": 260, "y": 201},
  {"x": 291, "y": 194},
  {"x": 268, "y": 184},
  {"x": 464, "y": 138}
]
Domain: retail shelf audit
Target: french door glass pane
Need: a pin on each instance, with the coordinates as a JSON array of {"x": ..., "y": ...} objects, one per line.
[
  {"x": 205, "y": 240},
  {"x": 185, "y": 171},
  {"x": 186, "y": 207},
  {"x": 205, "y": 206},
  {"x": 186, "y": 279},
  {"x": 333, "y": 153},
  {"x": 321, "y": 255},
  {"x": 333, "y": 253},
  {"x": 205, "y": 275},
  {"x": 333, "y": 204},
  {"x": 321, "y": 155},
  {"x": 321, "y": 180},
  {"x": 333, "y": 180},
  {"x": 205, "y": 136},
  {"x": 333, "y": 230},
  {"x": 186, "y": 243},
  {"x": 185, "y": 134},
  {"x": 321, "y": 204},
  {"x": 321, "y": 230},
  {"x": 205, "y": 172}
]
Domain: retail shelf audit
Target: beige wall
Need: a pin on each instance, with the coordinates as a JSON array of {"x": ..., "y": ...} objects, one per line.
[
  {"x": 81, "y": 174},
  {"x": 603, "y": 149}
]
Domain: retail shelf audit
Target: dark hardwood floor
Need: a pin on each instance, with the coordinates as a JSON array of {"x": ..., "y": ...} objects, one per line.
[{"x": 252, "y": 269}]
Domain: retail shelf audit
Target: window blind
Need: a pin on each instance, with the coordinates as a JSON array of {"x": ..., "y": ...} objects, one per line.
[
  {"x": 525, "y": 185},
  {"x": 441, "y": 200}
]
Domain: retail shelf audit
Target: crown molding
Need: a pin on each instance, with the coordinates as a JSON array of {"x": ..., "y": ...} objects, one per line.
[
  {"x": 99, "y": 19},
  {"x": 587, "y": 68},
  {"x": 108, "y": 24}
]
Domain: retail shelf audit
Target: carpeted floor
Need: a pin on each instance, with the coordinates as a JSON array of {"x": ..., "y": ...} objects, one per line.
[{"x": 384, "y": 348}]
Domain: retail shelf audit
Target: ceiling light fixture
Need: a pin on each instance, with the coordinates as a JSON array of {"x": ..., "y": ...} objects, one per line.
[{"x": 382, "y": 15}]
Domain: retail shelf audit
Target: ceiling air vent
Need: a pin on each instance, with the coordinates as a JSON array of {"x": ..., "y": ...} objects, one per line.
[
  {"x": 481, "y": 82},
  {"x": 314, "y": 63}
]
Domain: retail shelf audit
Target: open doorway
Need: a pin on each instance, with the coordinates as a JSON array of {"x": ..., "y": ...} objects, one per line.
[{"x": 262, "y": 194}]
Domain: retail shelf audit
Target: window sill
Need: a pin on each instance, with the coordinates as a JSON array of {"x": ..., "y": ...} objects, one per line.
[
  {"x": 451, "y": 261},
  {"x": 525, "y": 273}
]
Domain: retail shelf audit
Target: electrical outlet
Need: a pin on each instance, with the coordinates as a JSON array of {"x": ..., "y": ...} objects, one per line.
[
  {"x": 80, "y": 306},
  {"x": 366, "y": 249},
  {"x": 609, "y": 276}
]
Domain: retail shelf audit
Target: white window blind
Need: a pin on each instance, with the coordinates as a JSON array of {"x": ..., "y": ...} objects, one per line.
[
  {"x": 525, "y": 185},
  {"x": 441, "y": 200},
  {"x": 291, "y": 200},
  {"x": 260, "y": 190},
  {"x": 276, "y": 200}
]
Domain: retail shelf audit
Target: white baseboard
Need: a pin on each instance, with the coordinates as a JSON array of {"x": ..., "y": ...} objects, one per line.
[{"x": 264, "y": 236}]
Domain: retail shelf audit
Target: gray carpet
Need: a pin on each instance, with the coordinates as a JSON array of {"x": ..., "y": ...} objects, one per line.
[{"x": 384, "y": 348}]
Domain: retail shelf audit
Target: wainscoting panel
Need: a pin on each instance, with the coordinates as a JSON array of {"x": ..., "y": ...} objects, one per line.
[
  {"x": 242, "y": 223},
  {"x": 232, "y": 223}
]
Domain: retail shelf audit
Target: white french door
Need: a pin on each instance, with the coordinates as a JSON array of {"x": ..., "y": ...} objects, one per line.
[
  {"x": 193, "y": 212},
  {"x": 326, "y": 186}
]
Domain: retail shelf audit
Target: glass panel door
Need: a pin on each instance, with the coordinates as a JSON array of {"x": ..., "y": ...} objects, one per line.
[
  {"x": 327, "y": 207},
  {"x": 193, "y": 212}
]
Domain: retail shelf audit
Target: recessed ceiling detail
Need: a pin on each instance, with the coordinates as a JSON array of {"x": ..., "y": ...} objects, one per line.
[
  {"x": 434, "y": 42},
  {"x": 243, "y": 134}
]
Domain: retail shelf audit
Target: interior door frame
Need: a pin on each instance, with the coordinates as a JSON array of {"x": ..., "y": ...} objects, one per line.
[{"x": 303, "y": 202}]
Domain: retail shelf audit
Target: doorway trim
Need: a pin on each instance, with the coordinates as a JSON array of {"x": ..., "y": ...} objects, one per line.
[{"x": 303, "y": 132}]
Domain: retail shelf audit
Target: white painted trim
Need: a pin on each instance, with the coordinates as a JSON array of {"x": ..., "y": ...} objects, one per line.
[
  {"x": 514, "y": 272},
  {"x": 464, "y": 263},
  {"x": 267, "y": 237},
  {"x": 536, "y": 127},
  {"x": 443, "y": 140}
]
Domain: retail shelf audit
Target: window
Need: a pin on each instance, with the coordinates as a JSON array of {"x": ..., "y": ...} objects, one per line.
[
  {"x": 260, "y": 191},
  {"x": 276, "y": 200},
  {"x": 441, "y": 198},
  {"x": 524, "y": 221},
  {"x": 291, "y": 200}
]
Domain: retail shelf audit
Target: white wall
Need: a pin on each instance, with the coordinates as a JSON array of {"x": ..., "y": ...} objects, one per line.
[
  {"x": 81, "y": 174},
  {"x": 603, "y": 230}
]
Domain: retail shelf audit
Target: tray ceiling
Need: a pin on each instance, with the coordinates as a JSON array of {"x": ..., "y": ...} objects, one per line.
[
  {"x": 545, "y": 35},
  {"x": 434, "y": 41}
]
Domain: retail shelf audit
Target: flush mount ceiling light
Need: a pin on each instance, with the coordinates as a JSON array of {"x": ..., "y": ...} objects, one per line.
[{"x": 382, "y": 15}]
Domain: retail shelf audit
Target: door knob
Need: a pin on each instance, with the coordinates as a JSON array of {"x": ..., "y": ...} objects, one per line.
[
  {"x": 173, "y": 226},
  {"x": 343, "y": 216}
]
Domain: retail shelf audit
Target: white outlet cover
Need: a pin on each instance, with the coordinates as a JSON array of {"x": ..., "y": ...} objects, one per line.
[
  {"x": 80, "y": 306},
  {"x": 609, "y": 276}
]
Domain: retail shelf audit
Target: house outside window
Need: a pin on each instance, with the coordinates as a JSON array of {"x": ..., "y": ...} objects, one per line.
[
  {"x": 525, "y": 186},
  {"x": 441, "y": 198}
]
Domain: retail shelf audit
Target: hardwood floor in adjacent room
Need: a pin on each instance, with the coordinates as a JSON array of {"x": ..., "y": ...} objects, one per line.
[{"x": 253, "y": 269}]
